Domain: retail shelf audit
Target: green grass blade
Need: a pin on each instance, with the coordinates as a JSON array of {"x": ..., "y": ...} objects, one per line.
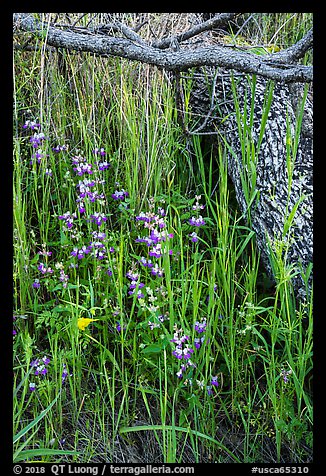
[{"x": 35, "y": 421}]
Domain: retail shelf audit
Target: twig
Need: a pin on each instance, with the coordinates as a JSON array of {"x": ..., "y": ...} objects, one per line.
[
  {"x": 212, "y": 107},
  {"x": 217, "y": 20}
]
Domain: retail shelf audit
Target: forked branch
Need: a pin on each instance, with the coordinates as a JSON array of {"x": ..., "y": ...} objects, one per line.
[{"x": 276, "y": 66}]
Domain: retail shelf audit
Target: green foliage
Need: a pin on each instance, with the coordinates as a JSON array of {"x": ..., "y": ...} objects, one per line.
[{"x": 121, "y": 368}]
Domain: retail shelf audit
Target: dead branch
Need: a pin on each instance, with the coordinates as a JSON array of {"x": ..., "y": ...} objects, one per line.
[{"x": 273, "y": 66}]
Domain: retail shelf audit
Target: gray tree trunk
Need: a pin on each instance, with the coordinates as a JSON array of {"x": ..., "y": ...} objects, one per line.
[{"x": 282, "y": 209}]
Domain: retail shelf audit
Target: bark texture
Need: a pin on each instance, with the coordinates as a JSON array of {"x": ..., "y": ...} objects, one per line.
[{"x": 281, "y": 212}]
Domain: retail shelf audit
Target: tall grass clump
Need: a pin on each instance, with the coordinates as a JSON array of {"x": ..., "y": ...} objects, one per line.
[
  {"x": 142, "y": 332},
  {"x": 286, "y": 323}
]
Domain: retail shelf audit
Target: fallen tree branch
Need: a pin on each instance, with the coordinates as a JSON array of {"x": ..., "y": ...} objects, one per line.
[{"x": 178, "y": 60}]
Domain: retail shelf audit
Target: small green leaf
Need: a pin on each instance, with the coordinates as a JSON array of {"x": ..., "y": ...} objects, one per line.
[
  {"x": 63, "y": 239},
  {"x": 56, "y": 288},
  {"x": 152, "y": 349}
]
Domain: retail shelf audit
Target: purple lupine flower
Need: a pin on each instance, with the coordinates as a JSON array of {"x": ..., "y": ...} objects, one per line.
[
  {"x": 99, "y": 253},
  {"x": 31, "y": 124},
  {"x": 197, "y": 221},
  {"x": 103, "y": 165},
  {"x": 145, "y": 262},
  {"x": 180, "y": 372},
  {"x": 64, "y": 278},
  {"x": 177, "y": 339},
  {"x": 83, "y": 168},
  {"x": 37, "y": 139},
  {"x": 98, "y": 235},
  {"x": 153, "y": 325},
  {"x": 161, "y": 223},
  {"x": 80, "y": 252},
  {"x": 156, "y": 271},
  {"x": 214, "y": 381},
  {"x": 197, "y": 205},
  {"x": 68, "y": 218},
  {"x": 133, "y": 276},
  {"x": 119, "y": 195},
  {"x": 40, "y": 365},
  {"x": 84, "y": 187},
  {"x": 42, "y": 370},
  {"x": 133, "y": 285},
  {"x": 98, "y": 218},
  {"x": 96, "y": 245},
  {"x": 46, "y": 360},
  {"x": 163, "y": 317},
  {"x": 285, "y": 375},
  {"x": 41, "y": 267},
  {"x": 32, "y": 387},
  {"x": 183, "y": 353},
  {"x": 60, "y": 148},
  {"x": 139, "y": 294},
  {"x": 81, "y": 205},
  {"x": 45, "y": 253},
  {"x": 38, "y": 156},
  {"x": 144, "y": 217},
  {"x": 94, "y": 195},
  {"x": 146, "y": 240},
  {"x": 200, "y": 326},
  {"x": 198, "y": 342},
  {"x": 187, "y": 363},
  {"x": 100, "y": 151},
  {"x": 161, "y": 211},
  {"x": 178, "y": 352},
  {"x": 209, "y": 390},
  {"x": 156, "y": 251},
  {"x": 155, "y": 236},
  {"x": 109, "y": 272},
  {"x": 194, "y": 237},
  {"x": 187, "y": 351},
  {"x": 36, "y": 283},
  {"x": 75, "y": 251},
  {"x": 34, "y": 362},
  {"x": 182, "y": 350},
  {"x": 78, "y": 159},
  {"x": 64, "y": 374}
]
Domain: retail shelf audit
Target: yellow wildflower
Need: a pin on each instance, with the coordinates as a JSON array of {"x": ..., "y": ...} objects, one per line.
[{"x": 83, "y": 322}]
